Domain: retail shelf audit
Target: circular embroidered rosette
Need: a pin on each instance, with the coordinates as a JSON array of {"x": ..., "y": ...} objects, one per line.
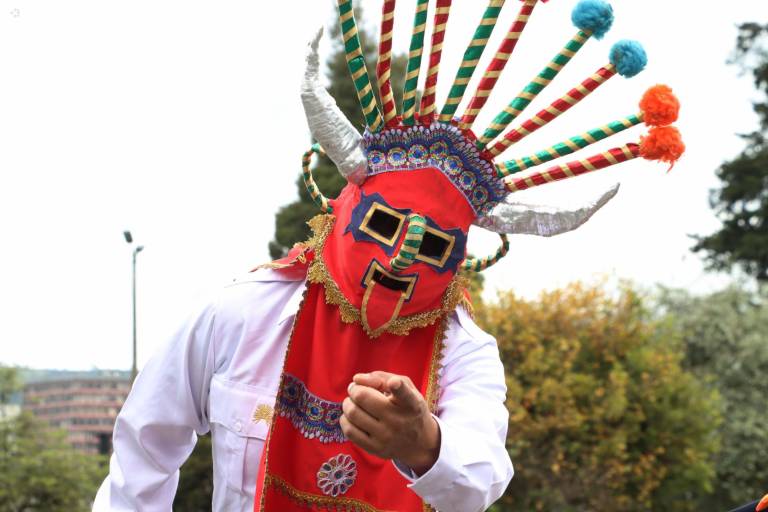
[{"x": 336, "y": 476}]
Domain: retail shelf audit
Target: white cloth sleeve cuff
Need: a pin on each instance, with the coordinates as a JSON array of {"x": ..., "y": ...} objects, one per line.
[{"x": 444, "y": 471}]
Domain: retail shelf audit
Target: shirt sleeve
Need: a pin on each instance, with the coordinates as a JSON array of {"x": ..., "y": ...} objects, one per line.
[
  {"x": 473, "y": 467},
  {"x": 158, "y": 425}
]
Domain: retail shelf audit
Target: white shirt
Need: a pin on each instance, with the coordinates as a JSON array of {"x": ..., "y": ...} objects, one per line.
[{"x": 226, "y": 361}]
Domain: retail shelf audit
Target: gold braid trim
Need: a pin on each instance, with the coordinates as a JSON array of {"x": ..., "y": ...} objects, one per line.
[
  {"x": 301, "y": 258},
  {"x": 433, "y": 386},
  {"x": 315, "y": 500},
  {"x": 322, "y": 225}
]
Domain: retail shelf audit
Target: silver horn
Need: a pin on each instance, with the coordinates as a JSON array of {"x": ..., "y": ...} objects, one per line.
[
  {"x": 328, "y": 124},
  {"x": 519, "y": 218}
]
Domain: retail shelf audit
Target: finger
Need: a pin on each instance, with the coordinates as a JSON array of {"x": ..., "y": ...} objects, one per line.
[
  {"x": 357, "y": 436},
  {"x": 404, "y": 393},
  {"x": 370, "y": 400},
  {"x": 360, "y": 418},
  {"x": 376, "y": 379}
]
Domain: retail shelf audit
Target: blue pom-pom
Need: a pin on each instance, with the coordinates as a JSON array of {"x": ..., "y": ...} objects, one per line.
[
  {"x": 628, "y": 57},
  {"x": 595, "y": 16}
]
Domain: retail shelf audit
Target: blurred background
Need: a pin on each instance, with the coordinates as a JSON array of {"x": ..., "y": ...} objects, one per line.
[{"x": 636, "y": 347}]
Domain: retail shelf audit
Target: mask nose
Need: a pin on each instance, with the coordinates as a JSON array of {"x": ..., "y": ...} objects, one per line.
[{"x": 409, "y": 249}]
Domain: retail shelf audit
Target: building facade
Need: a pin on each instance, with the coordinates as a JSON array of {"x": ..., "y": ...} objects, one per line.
[{"x": 84, "y": 404}]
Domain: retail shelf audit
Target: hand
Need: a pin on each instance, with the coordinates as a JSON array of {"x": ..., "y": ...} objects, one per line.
[{"x": 386, "y": 416}]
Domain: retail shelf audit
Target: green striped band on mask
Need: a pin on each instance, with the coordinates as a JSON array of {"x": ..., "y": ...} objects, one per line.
[
  {"x": 480, "y": 264},
  {"x": 417, "y": 226},
  {"x": 309, "y": 182}
]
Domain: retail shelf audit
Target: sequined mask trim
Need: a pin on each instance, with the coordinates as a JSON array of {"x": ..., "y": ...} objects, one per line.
[{"x": 444, "y": 147}]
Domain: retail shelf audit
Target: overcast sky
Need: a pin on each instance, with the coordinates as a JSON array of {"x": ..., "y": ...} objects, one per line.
[{"x": 181, "y": 122}]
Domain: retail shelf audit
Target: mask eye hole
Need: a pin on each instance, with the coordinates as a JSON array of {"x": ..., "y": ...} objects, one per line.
[
  {"x": 382, "y": 223},
  {"x": 436, "y": 247}
]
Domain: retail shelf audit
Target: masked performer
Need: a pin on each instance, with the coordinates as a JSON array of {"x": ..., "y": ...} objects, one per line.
[{"x": 349, "y": 375}]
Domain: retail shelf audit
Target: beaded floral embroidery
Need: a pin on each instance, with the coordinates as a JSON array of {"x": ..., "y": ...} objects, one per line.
[
  {"x": 444, "y": 147},
  {"x": 336, "y": 476},
  {"x": 314, "y": 417}
]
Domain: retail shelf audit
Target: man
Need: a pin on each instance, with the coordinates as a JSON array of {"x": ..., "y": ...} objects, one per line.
[
  {"x": 349, "y": 375},
  {"x": 221, "y": 372}
]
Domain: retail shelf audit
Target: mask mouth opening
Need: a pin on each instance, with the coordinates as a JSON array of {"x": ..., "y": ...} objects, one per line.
[
  {"x": 393, "y": 283},
  {"x": 378, "y": 275}
]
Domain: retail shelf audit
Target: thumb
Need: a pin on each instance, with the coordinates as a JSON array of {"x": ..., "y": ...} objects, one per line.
[{"x": 403, "y": 392}]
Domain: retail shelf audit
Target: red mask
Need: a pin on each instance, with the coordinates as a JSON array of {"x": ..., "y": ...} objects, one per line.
[{"x": 437, "y": 184}]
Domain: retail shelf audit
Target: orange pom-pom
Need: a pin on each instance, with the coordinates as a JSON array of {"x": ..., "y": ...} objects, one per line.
[
  {"x": 763, "y": 505},
  {"x": 660, "y": 106},
  {"x": 662, "y": 143}
]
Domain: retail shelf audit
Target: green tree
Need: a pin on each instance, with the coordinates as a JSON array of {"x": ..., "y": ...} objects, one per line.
[
  {"x": 195, "y": 491},
  {"x": 742, "y": 201},
  {"x": 602, "y": 415},
  {"x": 291, "y": 219},
  {"x": 726, "y": 343},
  {"x": 39, "y": 470}
]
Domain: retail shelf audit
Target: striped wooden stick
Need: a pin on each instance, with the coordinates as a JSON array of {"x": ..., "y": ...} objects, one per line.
[
  {"x": 356, "y": 65},
  {"x": 414, "y": 62},
  {"x": 497, "y": 65},
  {"x": 555, "y": 109},
  {"x": 309, "y": 182},
  {"x": 480, "y": 264},
  {"x": 471, "y": 57},
  {"x": 569, "y": 146},
  {"x": 575, "y": 168},
  {"x": 384, "y": 64},
  {"x": 442, "y": 11},
  {"x": 534, "y": 87}
]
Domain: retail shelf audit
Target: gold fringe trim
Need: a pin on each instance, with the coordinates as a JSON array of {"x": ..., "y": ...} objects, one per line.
[
  {"x": 433, "y": 385},
  {"x": 316, "y": 500},
  {"x": 322, "y": 225}
]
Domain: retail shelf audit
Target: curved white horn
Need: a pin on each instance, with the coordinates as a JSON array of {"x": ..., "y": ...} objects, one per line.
[
  {"x": 328, "y": 124},
  {"x": 519, "y": 218}
]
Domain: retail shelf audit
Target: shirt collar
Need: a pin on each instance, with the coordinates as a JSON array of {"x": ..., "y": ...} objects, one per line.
[{"x": 291, "y": 307}]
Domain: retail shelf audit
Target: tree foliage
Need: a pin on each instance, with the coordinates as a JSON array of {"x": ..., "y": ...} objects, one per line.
[
  {"x": 195, "y": 491},
  {"x": 291, "y": 219},
  {"x": 602, "y": 415},
  {"x": 726, "y": 343},
  {"x": 742, "y": 201},
  {"x": 39, "y": 470}
]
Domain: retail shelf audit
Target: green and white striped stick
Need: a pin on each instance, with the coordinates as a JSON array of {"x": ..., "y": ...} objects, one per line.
[
  {"x": 414, "y": 62},
  {"x": 569, "y": 146},
  {"x": 356, "y": 65},
  {"x": 534, "y": 87},
  {"x": 480, "y": 264},
  {"x": 471, "y": 58},
  {"x": 309, "y": 182}
]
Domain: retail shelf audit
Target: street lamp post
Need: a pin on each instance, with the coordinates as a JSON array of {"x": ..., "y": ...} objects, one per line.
[{"x": 136, "y": 250}]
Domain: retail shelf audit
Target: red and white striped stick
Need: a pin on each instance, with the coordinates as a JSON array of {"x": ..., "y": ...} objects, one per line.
[
  {"x": 384, "y": 65},
  {"x": 497, "y": 65},
  {"x": 575, "y": 168},
  {"x": 555, "y": 109},
  {"x": 442, "y": 10}
]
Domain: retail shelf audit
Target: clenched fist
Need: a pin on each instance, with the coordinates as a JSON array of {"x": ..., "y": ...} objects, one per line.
[{"x": 386, "y": 416}]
